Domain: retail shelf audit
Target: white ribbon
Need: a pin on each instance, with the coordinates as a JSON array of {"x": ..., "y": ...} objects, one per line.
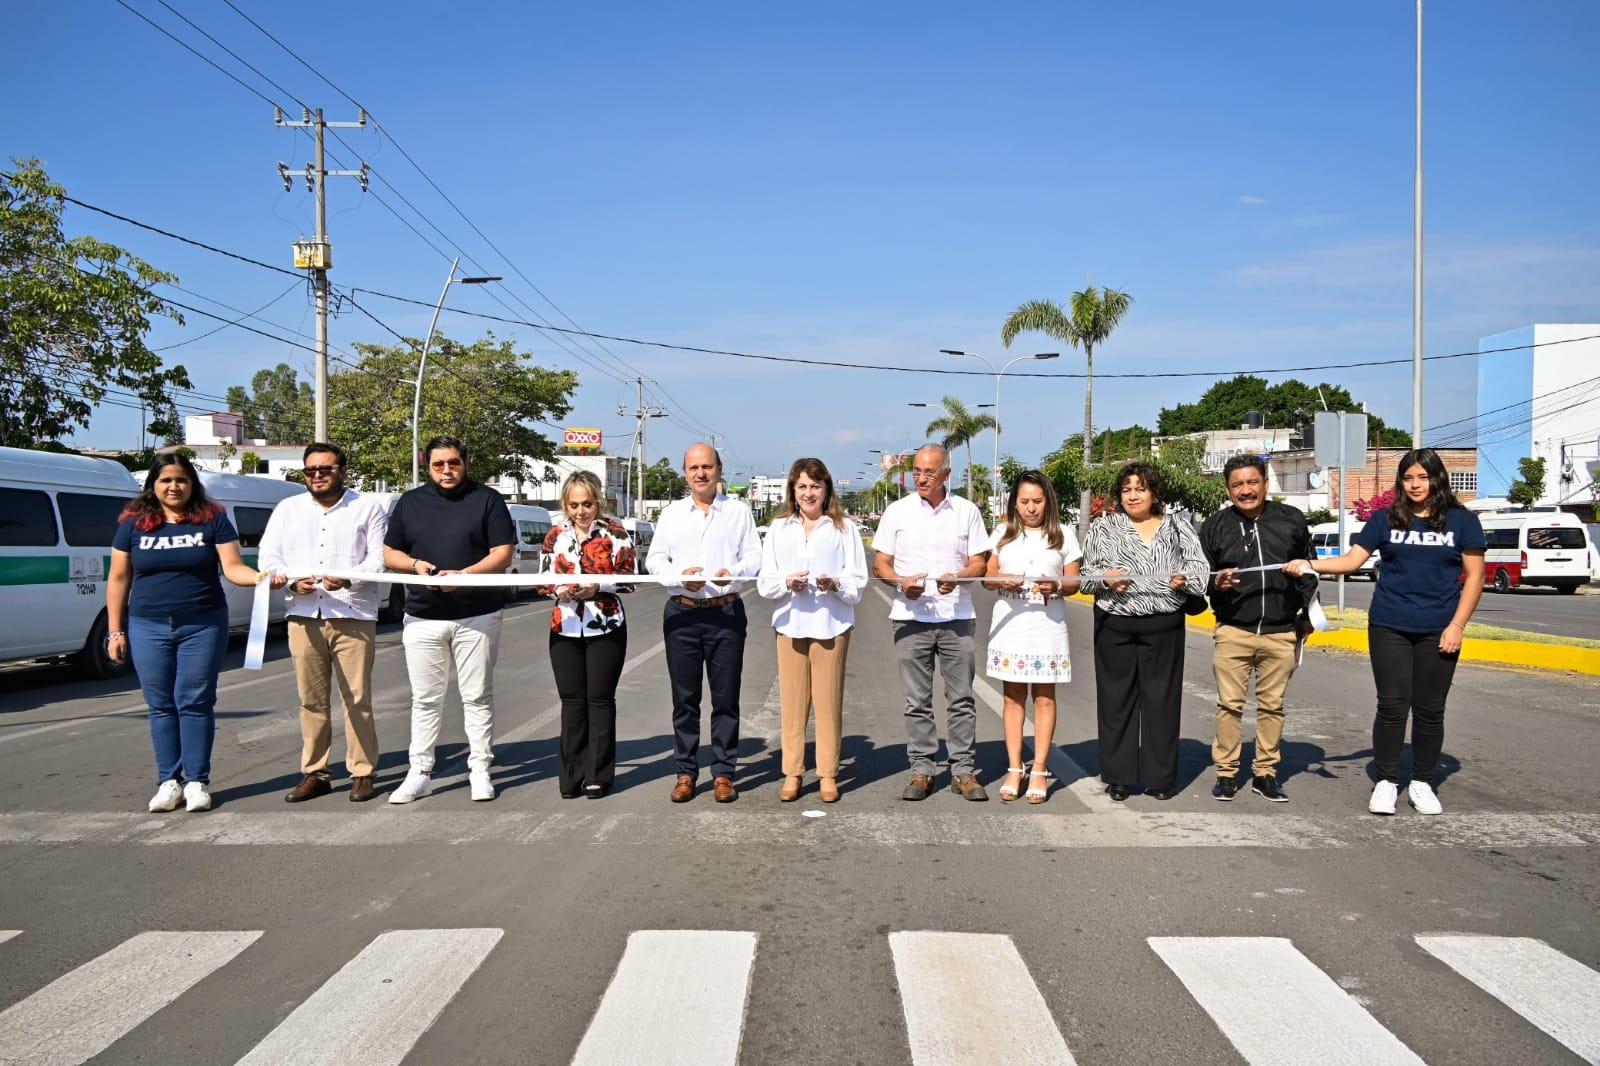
[{"x": 255, "y": 649}]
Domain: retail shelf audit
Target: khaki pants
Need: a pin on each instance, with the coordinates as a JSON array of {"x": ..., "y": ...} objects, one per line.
[
  {"x": 343, "y": 647},
  {"x": 1237, "y": 654},
  {"x": 811, "y": 671}
]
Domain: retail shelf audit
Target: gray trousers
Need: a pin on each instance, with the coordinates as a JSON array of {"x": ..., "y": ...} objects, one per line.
[{"x": 917, "y": 647}]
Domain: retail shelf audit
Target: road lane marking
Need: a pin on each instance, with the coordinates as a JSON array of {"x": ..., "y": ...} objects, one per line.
[
  {"x": 7, "y": 934},
  {"x": 85, "y": 1011},
  {"x": 1231, "y": 977},
  {"x": 1558, "y": 994},
  {"x": 381, "y": 1002},
  {"x": 952, "y": 1020},
  {"x": 678, "y": 997},
  {"x": 449, "y": 823}
]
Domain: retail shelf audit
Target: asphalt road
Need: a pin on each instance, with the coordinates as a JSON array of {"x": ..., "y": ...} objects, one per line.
[
  {"x": 538, "y": 930},
  {"x": 1537, "y": 610}
]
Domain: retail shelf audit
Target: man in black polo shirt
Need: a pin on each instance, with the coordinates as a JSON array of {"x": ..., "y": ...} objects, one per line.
[{"x": 453, "y": 525}]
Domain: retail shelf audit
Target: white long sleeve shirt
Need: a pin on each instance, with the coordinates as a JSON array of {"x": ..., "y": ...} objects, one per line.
[
  {"x": 723, "y": 537},
  {"x": 304, "y": 538},
  {"x": 828, "y": 551},
  {"x": 923, "y": 539}
]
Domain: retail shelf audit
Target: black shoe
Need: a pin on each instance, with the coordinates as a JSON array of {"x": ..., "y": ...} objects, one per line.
[
  {"x": 1118, "y": 793},
  {"x": 1225, "y": 789},
  {"x": 572, "y": 793},
  {"x": 595, "y": 792},
  {"x": 1266, "y": 786},
  {"x": 1159, "y": 793}
]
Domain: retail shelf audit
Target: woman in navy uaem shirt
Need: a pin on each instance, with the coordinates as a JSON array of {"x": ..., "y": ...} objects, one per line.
[
  {"x": 1430, "y": 578},
  {"x": 165, "y": 605}
]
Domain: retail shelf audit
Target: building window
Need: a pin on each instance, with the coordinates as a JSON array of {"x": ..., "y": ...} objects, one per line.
[{"x": 1464, "y": 481}]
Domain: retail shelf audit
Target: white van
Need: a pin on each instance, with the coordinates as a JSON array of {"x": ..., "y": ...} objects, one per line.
[
  {"x": 1535, "y": 548},
  {"x": 249, "y": 502},
  {"x": 641, "y": 533},
  {"x": 1325, "y": 537},
  {"x": 532, "y": 525}
]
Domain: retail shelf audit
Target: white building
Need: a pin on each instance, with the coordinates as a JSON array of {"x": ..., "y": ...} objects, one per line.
[
  {"x": 543, "y": 485},
  {"x": 766, "y": 492},
  {"x": 219, "y": 445},
  {"x": 1541, "y": 401}
]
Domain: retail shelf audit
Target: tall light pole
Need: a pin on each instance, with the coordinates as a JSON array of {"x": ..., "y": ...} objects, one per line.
[
  {"x": 422, "y": 363},
  {"x": 994, "y": 471}
]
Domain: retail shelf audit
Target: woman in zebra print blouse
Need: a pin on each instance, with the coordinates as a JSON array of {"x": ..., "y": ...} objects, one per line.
[{"x": 1149, "y": 563}]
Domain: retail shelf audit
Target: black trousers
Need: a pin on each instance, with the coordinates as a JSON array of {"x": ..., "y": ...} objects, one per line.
[
  {"x": 587, "y": 670},
  {"x": 1138, "y": 669},
  {"x": 708, "y": 643},
  {"x": 1413, "y": 678}
]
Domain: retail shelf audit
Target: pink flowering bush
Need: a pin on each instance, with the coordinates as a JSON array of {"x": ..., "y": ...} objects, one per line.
[{"x": 1365, "y": 509}]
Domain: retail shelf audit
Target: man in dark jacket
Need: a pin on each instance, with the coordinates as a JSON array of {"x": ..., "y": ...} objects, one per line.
[{"x": 1261, "y": 617}]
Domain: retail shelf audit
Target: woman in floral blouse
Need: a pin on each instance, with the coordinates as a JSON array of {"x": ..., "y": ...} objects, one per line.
[{"x": 588, "y": 634}]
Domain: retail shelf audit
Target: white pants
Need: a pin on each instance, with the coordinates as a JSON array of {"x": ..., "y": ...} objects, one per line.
[{"x": 431, "y": 645}]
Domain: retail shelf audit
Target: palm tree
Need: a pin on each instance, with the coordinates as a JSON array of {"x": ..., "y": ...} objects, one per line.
[
  {"x": 958, "y": 426},
  {"x": 1089, "y": 318}
]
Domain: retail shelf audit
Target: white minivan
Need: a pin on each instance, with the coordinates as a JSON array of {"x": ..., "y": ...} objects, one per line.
[
  {"x": 532, "y": 525},
  {"x": 58, "y": 514},
  {"x": 1548, "y": 548},
  {"x": 1325, "y": 538}
]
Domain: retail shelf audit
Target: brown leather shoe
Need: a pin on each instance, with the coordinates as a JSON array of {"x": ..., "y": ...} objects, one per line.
[
  {"x": 966, "y": 786},
  {"x": 683, "y": 791},
  {"x": 361, "y": 789},
  {"x": 790, "y": 790},
  {"x": 828, "y": 790},
  {"x": 919, "y": 788},
  {"x": 310, "y": 787},
  {"x": 722, "y": 790}
]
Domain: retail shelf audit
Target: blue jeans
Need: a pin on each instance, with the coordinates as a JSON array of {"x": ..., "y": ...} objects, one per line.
[{"x": 177, "y": 660}]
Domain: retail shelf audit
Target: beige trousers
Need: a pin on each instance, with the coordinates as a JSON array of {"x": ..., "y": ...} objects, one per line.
[
  {"x": 811, "y": 672},
  {"x": 1237, "y": 654},
  {"x": 342, "y": 647}
]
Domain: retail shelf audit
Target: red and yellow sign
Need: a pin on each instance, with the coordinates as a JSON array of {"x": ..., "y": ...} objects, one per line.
[{"x": 581, "y": 437}]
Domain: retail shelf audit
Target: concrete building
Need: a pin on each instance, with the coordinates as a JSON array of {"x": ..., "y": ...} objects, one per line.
[
  {"x": 543, "y": 487},
  {"x": 1541, "y": 401}
]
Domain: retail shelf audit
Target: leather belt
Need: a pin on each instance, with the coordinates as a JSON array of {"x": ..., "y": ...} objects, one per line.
[{"x": 714, "y": 601}]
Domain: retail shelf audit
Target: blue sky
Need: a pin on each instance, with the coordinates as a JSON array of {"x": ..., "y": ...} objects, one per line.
[{"x": 856, "y": 183}]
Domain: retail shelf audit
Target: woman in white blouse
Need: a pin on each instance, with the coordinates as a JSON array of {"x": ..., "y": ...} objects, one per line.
[{"x": 814, "y": 565}]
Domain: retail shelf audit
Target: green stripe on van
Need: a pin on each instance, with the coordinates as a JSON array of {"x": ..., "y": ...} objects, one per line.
[{"x": 35, "y": 570}]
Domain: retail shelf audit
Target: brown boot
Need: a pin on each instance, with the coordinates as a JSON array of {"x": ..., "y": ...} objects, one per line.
[{"x": 790, "y": 790}]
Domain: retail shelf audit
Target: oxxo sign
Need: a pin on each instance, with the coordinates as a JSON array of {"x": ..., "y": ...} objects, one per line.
[{"x": 580, "y": 437}]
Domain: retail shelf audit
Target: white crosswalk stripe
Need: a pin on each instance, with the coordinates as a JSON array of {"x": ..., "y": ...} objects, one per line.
[
  {"x": 81, "y": 1013},
  {"x": 1232, "y": 976},
  {"x": 1558, "y": 994},
  {"x": 381, "y": 1001},
  {"x": 678, "y": 997},
  {"x": 7, "y": 934},
  {"x": 951, "y": 1019}
]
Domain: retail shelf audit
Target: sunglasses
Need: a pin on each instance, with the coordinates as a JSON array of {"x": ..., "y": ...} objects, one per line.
[
  {"x": 319, "y": 471},
  {"x": 446, "y": 464}
]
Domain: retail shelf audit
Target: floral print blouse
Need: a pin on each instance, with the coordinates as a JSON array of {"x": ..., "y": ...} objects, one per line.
[{"x": 605, "y": 550}]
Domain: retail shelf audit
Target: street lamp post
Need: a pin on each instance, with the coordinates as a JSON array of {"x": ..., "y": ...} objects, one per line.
[
  {"x": 994, "y": 470},
  {"x": 422, "y": 363}
]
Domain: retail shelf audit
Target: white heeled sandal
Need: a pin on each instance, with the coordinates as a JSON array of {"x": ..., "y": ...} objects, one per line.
[
  {"x": 1008, "y": 792},
  {"x": 1037, "y": 795}
]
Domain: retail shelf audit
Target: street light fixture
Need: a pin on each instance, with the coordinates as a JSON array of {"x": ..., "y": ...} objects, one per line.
[
  {"x": 416, "y": 403},
  {"x": 998, "y": 374}
]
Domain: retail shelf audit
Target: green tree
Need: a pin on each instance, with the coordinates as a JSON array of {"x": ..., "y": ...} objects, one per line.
[
  {"x": 957, "y": 426},
  {"x": 1320, "y": 516},
  {"x": 279, "y": 408},
  {"x": 1226, "y": 404},
  {"x": 73, "y": 318},
  {"x": 485, "y": 393},
  {"x": 1179, "y": 465},
  {"x": 1090, "y": 317},
  {"x": 1528, "y": 487},
  {"x": 662, "y": 481}
]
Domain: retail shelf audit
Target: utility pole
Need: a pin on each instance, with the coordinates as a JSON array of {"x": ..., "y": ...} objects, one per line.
[
  {"x": 642, "y": 413},
  {"x": 316, "y": 254}
]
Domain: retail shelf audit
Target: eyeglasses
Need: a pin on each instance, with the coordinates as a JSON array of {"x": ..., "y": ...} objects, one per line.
[
  {"x": 925, "y": 475},
  {"x": 446, "y": 464},
  {"x": 319, "y": 471}
]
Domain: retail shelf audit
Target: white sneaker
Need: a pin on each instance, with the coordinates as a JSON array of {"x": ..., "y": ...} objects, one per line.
[
  {"x": 482, "y": 787},
  {"x": 1384, "y": 793},
  {"x": 166, "y": 797},
  {"x": 1421, "y": 796},
  {"x": 196, "y": 796},
  {"x": 415, "y": 786}
]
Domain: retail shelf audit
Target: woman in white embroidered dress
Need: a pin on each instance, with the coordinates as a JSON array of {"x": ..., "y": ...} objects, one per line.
[
  {"x": 814, "y": 565},
  {"x": 1032, "y": 562}
]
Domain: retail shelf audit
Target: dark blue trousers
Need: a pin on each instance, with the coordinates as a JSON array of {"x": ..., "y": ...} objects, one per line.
[{"x": 708, "y": 643}]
